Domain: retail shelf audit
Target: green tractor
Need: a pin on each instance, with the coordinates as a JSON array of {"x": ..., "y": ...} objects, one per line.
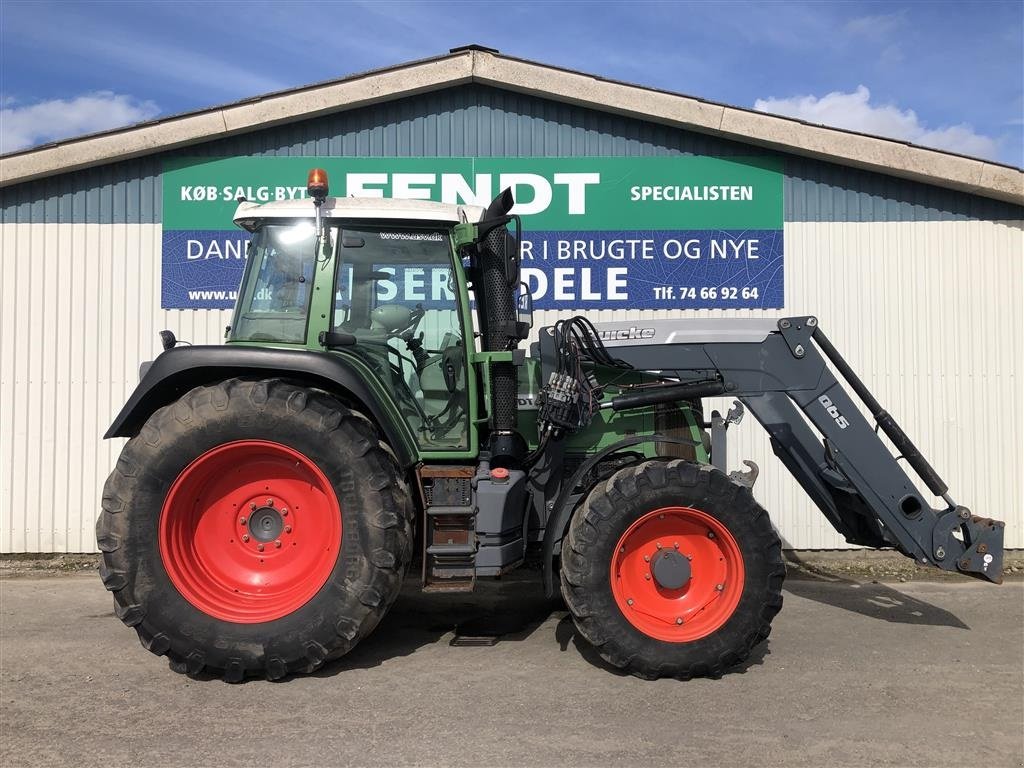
[{"x": 373, "y": 405}]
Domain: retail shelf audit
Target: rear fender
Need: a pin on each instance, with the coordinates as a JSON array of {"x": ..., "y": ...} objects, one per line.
[{"x": 181, "y": 369}]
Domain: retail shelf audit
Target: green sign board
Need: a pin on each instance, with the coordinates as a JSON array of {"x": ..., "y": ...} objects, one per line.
[{"x": 685, "y": 226}]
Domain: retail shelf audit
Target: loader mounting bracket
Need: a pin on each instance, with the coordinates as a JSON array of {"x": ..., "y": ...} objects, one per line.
[{"x": 797, "y": 332}]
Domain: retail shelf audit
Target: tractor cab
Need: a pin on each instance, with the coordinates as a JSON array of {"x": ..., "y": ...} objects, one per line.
[{"x": 377, "y": 282}]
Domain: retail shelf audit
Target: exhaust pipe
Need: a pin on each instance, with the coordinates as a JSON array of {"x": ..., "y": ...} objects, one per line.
[{"x": 497, "y": 313}]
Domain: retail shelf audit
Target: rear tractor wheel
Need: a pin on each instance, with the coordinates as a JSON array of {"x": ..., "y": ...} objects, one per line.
[
  {"x": 254, "y": 528},
  {"x": 671, "y": 569}
]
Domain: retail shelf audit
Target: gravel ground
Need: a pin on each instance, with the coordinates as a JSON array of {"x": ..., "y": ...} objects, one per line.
[
  {"x": 856, "y": 673},
  {"x": 860, "y": 564}
]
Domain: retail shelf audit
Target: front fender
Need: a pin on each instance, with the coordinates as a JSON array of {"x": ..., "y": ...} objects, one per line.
[
  {"x": 562, "y": 510},
  {"x": 180, "y": 369}
]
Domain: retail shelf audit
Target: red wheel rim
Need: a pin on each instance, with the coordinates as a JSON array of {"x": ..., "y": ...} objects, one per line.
[
  {"x": 679, "y": 544},
  {"x": 250, "y": 531}
]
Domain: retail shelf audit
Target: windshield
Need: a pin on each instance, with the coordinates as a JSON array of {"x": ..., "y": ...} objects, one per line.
[
  {"x": 396, "y": 293},
  {"x": 274, "y": 301}
]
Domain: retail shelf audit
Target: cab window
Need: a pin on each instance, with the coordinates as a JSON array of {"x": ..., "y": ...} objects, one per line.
[{"x": 277, "y": 287}]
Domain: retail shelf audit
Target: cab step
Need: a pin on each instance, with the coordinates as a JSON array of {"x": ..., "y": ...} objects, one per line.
[{"x": 449, "y": 541}]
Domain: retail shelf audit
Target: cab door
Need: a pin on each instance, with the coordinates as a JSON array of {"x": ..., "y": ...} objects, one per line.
[{"x": 398, "y": 293}]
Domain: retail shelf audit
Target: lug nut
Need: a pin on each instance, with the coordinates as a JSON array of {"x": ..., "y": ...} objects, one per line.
[
  {"x": 252, "y": 506},
  {"x": 277, "y": 543},
  {"x": 719, "y": 587},
  {"x": 629, "y": 601},
  {"x": 287, "y": 529},
  {"x": 658, "y": 545},
  {"x": 259, "y": 547},
  {"x": 245, "y": 537},
  {"x": 647, "y": 576},
  {"x": 647, "y": 558},
  {"x": 270, "y": 502},
  {"x": 679, "y": 619},
  {"x": 243, "y": 520},
  {"x": 676, "y": 545},
  {"x": 284, "y": 511},
  {"x": 689, "y": 557}
]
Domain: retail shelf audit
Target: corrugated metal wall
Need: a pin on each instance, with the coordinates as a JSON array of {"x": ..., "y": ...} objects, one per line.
[
  {"x": 920, "y": 288},
  {"x": 478, "y": 121}
]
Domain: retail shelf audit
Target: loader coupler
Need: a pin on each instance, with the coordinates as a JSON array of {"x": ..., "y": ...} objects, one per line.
[{"x": 978, "y": 554}]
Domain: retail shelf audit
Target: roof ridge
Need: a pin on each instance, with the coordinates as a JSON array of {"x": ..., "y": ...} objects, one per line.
[{"x": 480, "y": 64}]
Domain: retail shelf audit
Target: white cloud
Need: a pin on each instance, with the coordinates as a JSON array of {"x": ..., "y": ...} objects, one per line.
[
  {"x": 25, "y": 126},
  {"x": 877, "y": 27},
  {"x": 855, "y": 112}
]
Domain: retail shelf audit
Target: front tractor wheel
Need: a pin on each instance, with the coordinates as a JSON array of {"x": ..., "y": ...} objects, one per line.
[
  {"x": 670, "y": 569},
  {"x": 254, "y": 528}
]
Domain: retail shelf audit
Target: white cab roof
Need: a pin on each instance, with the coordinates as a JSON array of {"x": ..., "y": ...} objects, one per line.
[{"x": 359, "y": 208}]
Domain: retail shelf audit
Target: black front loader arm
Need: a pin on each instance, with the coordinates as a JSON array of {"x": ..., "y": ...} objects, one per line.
[
  {"x": 180, "y": 369},
  {"x": 842, "y": 463}
]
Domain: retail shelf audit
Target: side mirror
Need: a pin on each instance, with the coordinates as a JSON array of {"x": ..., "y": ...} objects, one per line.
[
  {"x": 524, "y": 310},
  {"x": 513, "y": 255}
]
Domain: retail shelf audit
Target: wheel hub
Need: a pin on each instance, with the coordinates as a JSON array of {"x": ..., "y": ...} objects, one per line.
[
  {"x": 670, "y": 570},
  {"x": 266, "y": 524}
]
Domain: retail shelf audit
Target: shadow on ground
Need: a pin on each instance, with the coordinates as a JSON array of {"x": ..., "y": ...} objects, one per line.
[
  {"x": 566, "y": 634},
  {"x": 505, "y": 610},
  {"x": 867, "y": 598},
  {"x": 511, "y": 610}
]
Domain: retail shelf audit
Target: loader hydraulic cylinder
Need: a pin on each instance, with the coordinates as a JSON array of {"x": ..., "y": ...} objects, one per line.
[
  {"x": 885, "y": 422},
  {"x": 671, "y": 393}
]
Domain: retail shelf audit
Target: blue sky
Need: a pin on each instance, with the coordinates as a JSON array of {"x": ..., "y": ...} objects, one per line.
[{"x": 949, "y": 75}]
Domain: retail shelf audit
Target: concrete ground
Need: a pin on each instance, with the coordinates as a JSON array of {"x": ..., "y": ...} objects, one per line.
[{"x": 855, "y": 673}]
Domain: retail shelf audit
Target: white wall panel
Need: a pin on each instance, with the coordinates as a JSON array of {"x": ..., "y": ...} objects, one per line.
[
  {"x": 931, "y": 314},
  {"x": 79, "y": 310}
]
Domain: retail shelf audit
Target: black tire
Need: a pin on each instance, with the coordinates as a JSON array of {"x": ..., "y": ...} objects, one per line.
[
  {"x": 373, "y": 554},
  {"x": 594, "y": 534}
]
